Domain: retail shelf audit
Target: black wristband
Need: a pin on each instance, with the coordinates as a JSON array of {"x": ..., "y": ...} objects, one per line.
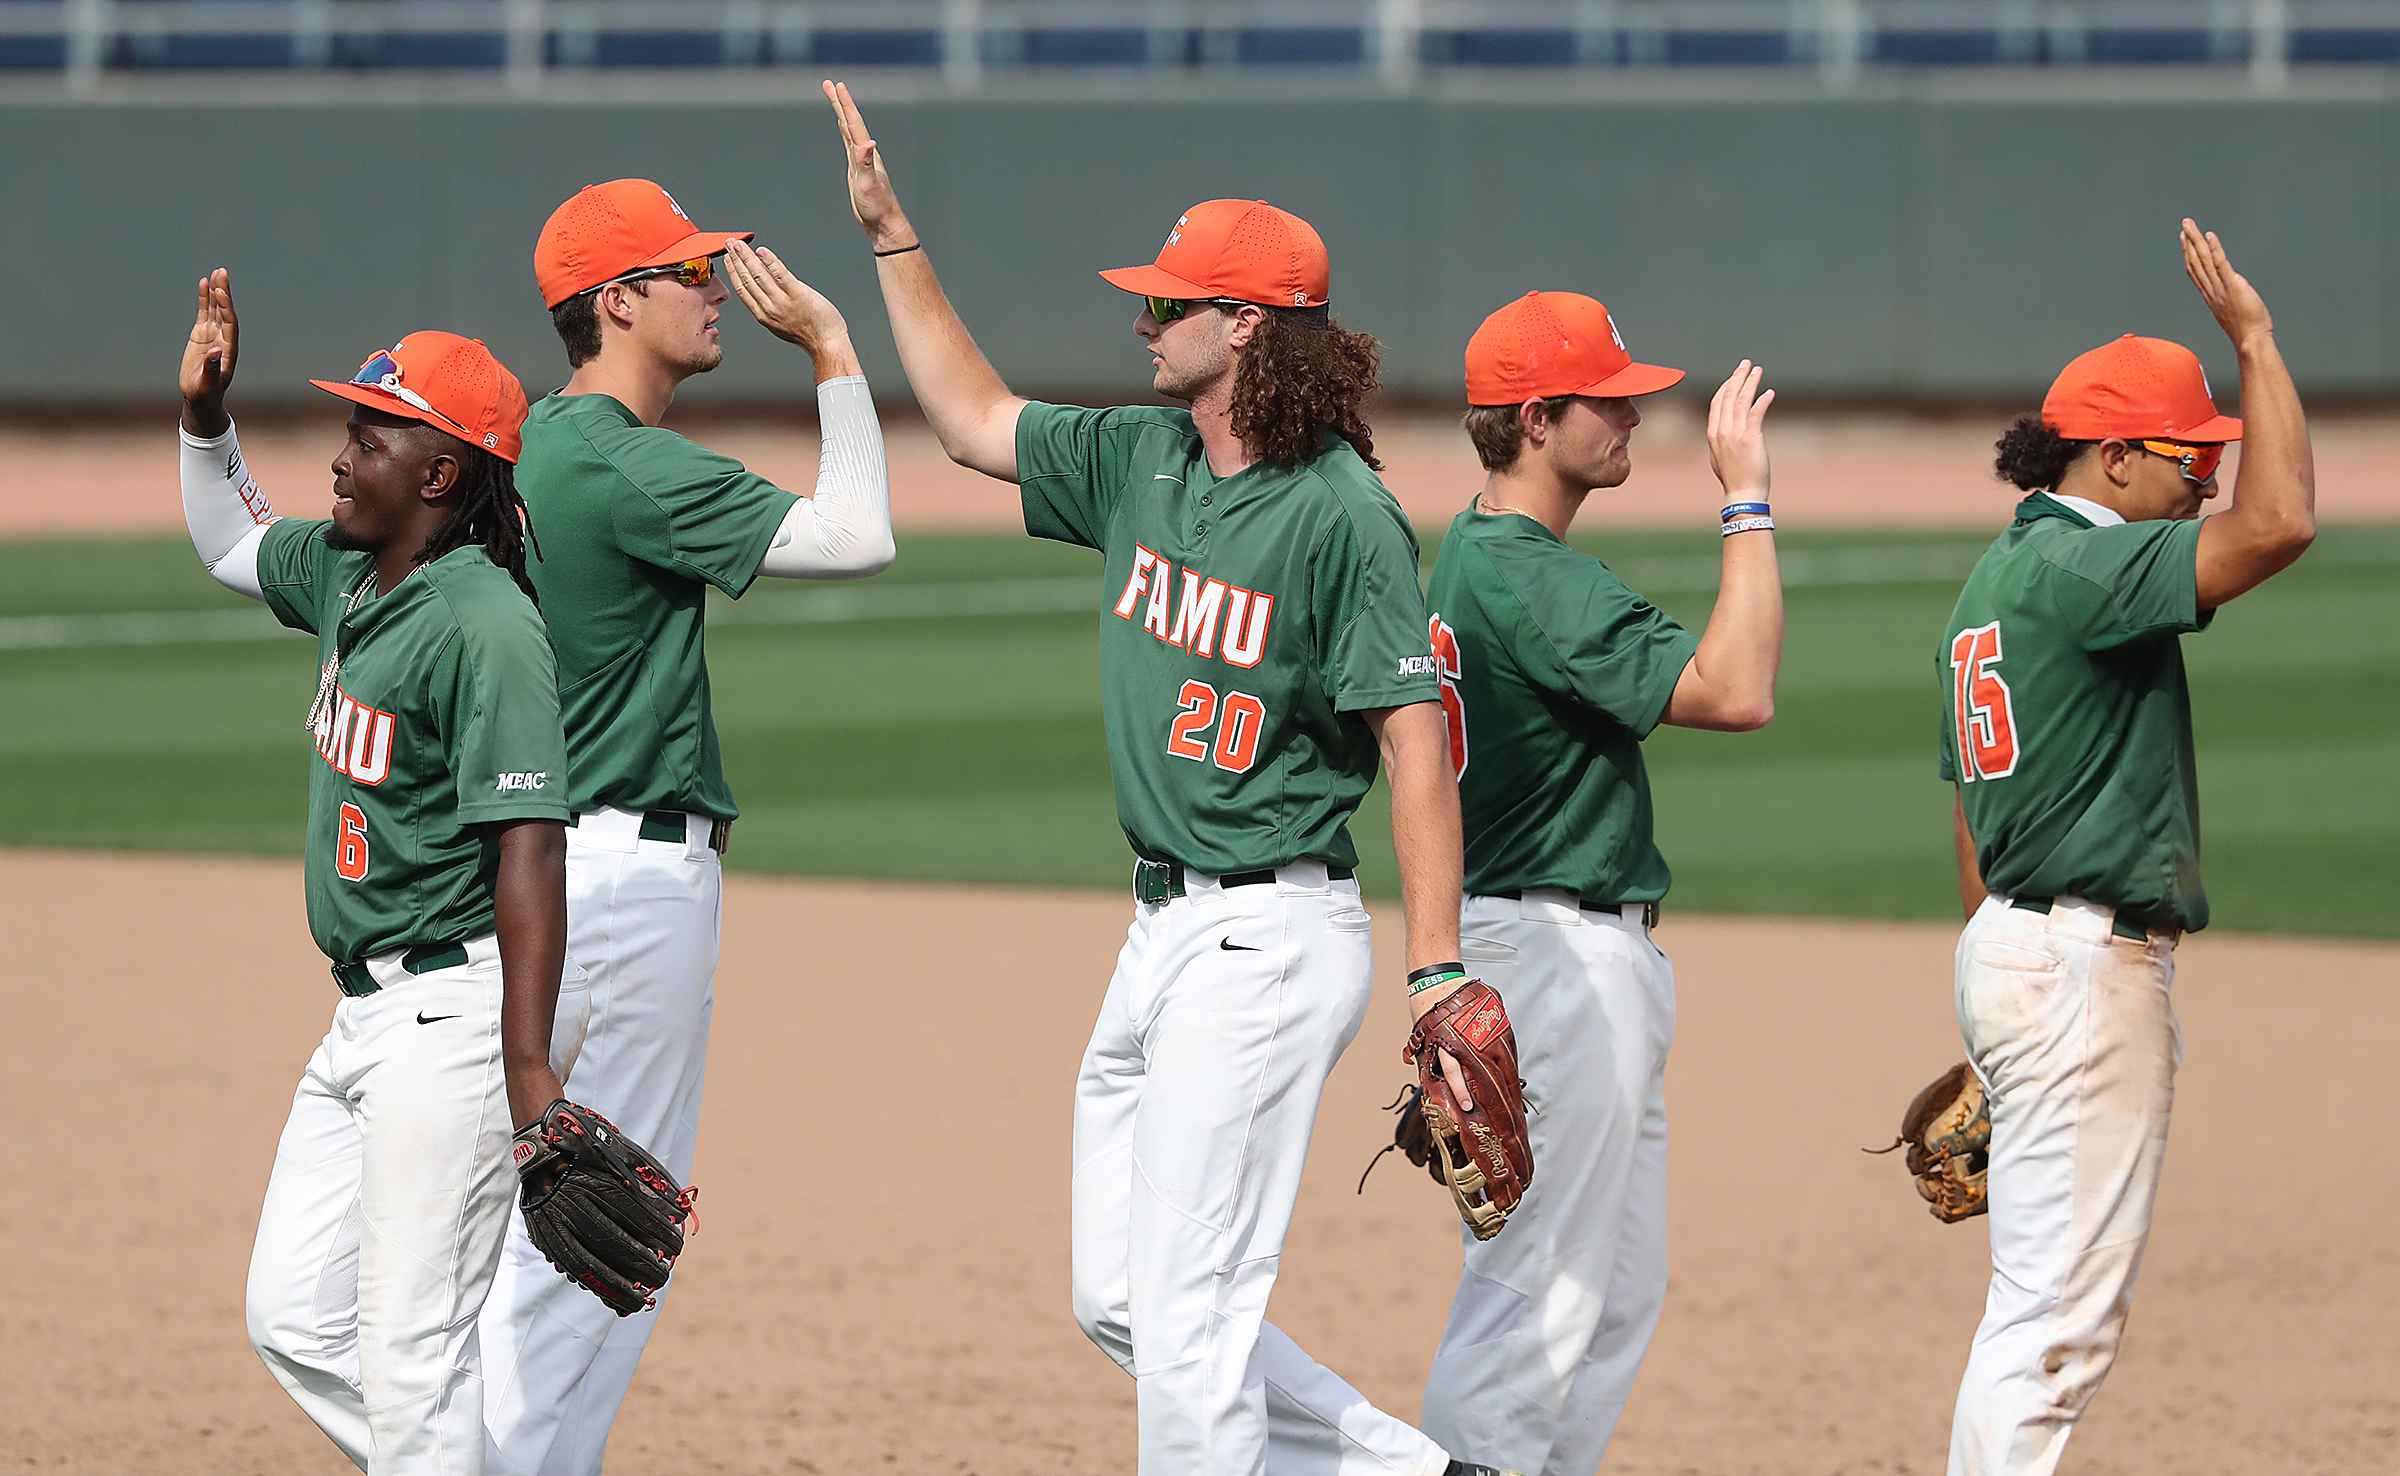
[
  {"x": 1427, "y": 972},
  {"x": 903, "y": 250}
]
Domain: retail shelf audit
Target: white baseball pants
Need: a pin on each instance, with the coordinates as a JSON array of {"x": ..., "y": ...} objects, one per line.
[
  {"x": 642, "y": 920},
  {"x": 2073, "y": 1031},
  {"x": 1554, "y": 1313},
  {"x": 391, "y": 1193},
  {"x": 1193, "y": 1111}
]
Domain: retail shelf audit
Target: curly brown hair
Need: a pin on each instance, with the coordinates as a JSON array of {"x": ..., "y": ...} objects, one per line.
[
  {"x": 2033, "y": 456},
  {"x": 1300, "y": 377}
]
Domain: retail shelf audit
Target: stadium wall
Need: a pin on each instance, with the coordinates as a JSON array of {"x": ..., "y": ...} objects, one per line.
[{"x": 1877, "y": 246}]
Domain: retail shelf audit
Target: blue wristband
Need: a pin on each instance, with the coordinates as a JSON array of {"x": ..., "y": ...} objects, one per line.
[{"x": 1744, "y": 510}]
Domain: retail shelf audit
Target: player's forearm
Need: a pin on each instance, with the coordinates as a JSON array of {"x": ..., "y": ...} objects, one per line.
[
  {"x": 223, "y": 509},
  {"x": 835, "y": 358},
  {"x": 2273, "y": 518},
  {"x": 2275, "y": 492},
  {"x": 1970, "y": 875},
  {"x": 1729, "y": 686},
  {"x": 843, "y": 530},
  {"x": 1425, "y": 835},
  {"x": 964, "y": 398},
  {"x": 529, "y": 897}
]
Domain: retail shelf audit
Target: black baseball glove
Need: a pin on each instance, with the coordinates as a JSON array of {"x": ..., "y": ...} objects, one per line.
[{"x": 599, "y": 1207}]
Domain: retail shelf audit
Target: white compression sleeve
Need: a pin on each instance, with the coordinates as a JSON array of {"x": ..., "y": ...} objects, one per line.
[
  {"x": 845, "y": 530},
  {"x": 223, "y": 508}
]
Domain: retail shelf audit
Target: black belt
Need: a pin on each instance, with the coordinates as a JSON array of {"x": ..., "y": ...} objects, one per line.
[
  {"x": 671, "y": 825},
  {"x": 1646, "y": 911},
  {"x": 354, "y": 980},
  {"x": 2135, "y": 925},
  {"x": 1160, "y": 881}
]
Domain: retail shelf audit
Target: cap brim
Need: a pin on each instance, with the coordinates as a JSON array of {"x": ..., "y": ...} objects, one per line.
[
  {"x": 2215, "y": 428},
  {"x": 698, "y": 243},
  {"x": 1152, "y": 281},
  {"x": 1633, "y": 379},
  {"x": 390, "y": 404}
]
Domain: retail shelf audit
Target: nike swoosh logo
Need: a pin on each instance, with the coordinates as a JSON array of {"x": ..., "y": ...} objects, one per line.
[
  {"x": 1232, "y": 947},
  {"x": 425, "y": 1019},
  {"x": 1163, "y": 477}
]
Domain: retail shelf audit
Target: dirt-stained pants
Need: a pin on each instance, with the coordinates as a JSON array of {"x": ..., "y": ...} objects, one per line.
[{"x": 2073, "y": 1031}]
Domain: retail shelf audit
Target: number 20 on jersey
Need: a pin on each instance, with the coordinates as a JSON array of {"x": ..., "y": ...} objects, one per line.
[{"x": 1987, "y": 721}]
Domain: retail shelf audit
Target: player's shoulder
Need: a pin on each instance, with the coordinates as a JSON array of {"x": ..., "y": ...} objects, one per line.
[
  {"x": 2054, "y": 545},
  {"x": 479, "y": 596},
  {"x": 1348, "y": 489}
]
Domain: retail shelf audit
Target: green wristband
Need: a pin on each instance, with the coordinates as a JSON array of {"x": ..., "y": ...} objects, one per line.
[{"x": 1434, "y": 977}]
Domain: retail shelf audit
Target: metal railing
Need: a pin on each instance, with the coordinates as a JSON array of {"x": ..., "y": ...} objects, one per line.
[{"x": 1399, "y": 42}]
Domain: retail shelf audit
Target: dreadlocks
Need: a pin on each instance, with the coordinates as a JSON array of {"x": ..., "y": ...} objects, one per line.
[
  {"x": 1303, "y": 375},
  {"x": 490, "y": 513}
]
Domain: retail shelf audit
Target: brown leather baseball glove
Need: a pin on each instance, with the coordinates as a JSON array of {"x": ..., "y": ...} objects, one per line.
[
  {"x": 1484, "y": 1154},
  {"x": 1948, "y": 1133}
]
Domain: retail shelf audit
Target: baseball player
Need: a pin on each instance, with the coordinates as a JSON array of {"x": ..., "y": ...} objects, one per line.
[
  {"x": 2069, "y": 735},
  {"x": 435, "y": 874},
  {"x": 1553, "y": 671},
  {"x": 1261, "y": 639},
  {"x": 636, "y": 523}
]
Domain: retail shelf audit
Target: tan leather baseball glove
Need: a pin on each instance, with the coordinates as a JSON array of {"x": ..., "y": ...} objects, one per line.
[{"x": 1948, "y": 1133}]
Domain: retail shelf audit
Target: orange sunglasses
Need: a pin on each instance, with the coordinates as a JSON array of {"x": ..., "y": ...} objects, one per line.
[{"x": 2199, "y": 463}]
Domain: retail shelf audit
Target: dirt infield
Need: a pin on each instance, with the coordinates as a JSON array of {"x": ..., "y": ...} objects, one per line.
[
  {"x": 1831, "y": 470},
  {"x": 892, "y": 1296}
]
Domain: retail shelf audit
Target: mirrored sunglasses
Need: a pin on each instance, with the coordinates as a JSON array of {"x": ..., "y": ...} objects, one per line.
[
  {"x": 698, "y": 272},
  {"x": 1168, "y": 309},
  {"x": 2198, "y": 463}
]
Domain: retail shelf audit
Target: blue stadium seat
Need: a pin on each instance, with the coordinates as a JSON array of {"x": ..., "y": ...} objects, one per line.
[
  {"x": 1728, "y": 48},
  {"x": 876, "y": 49},
  {"x": 2348, "y": 44},
  {"x": 1317, "y": 47},
  {"x": 1505, "y": 48}
]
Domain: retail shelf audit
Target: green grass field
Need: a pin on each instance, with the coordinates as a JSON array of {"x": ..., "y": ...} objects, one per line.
[{"x": 942, "y": 723}]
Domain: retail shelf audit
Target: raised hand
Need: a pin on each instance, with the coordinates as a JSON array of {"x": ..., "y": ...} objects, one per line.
[
  {"x": 2235, "y": 304},
  {"x": 208, "y": 357},
  {"x": 783, "y": 304},
  {"x": 871, "y": 196},
  {"x": 1737, "y": 433}
]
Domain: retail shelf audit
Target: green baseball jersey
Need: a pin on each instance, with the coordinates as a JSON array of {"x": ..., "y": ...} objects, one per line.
[
  {"x": 2066, "y": 724},
  {"x": 1553, "y": 672},
  {"x": 635, "y": 523},
  {"x": 437, "y": 714},
  {"x": 1249, "y": 621}
]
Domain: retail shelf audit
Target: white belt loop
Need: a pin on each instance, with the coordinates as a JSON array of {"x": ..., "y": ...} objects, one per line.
[
  {"x": 1303, "y": 875},
  {"x": 607, "y": 829},
  {"x": 696, "y": 831},
  {"x": 1549, "y": 905},
  {"x": 2077, "y": 918}
]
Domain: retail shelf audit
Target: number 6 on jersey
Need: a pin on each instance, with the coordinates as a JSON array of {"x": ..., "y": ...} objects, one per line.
[
  {"x": 1987, "y": 723},
  {"x": 350, "y": 844}
]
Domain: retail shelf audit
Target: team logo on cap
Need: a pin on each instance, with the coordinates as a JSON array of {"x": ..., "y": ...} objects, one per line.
[
  {"x": 1176, "y": 234},
  {"x": 1613, "y": 333},
  {"x": 671, "y": 205}
]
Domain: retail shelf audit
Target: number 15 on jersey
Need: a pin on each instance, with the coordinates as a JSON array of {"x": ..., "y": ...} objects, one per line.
[{"x": 1987, "y": 722}]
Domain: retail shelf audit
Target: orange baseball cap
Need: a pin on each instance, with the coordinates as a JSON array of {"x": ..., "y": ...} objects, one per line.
[
  {"x": 1243, "y": 249},
  {"x": 610, "y": 229},
  {"x": 1547, "y": 344},
  {"x": 2133, "y": 389},
  {"x": 450, "y": 383}
]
